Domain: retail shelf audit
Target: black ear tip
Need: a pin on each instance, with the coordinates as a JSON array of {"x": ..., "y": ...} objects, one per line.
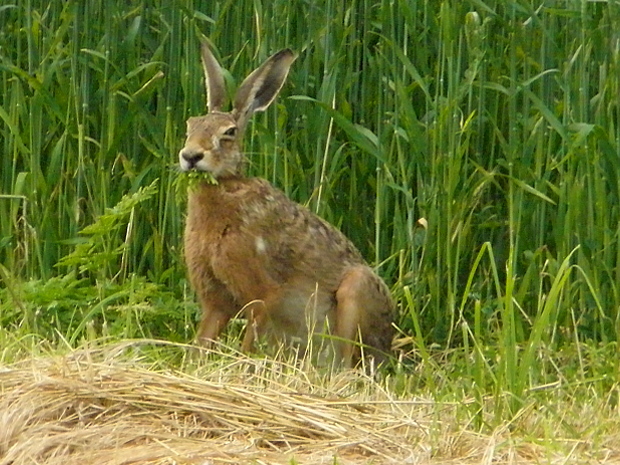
[
  {"x": 205, "y": 47},
  {"x": 286, "y": 53}
]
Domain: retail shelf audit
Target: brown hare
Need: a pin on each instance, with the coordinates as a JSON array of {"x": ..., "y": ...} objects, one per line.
[{"x": 248, "y": 247}]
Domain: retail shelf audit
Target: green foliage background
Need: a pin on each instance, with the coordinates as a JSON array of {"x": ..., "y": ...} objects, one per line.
[{"x": 469, "y": 148}]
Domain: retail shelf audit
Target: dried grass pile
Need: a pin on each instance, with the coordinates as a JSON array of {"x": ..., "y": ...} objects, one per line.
[{"x": 105, "y": 406}]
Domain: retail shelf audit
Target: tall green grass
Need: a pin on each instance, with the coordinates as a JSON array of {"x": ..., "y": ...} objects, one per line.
[{"x": 469, "y": 148}]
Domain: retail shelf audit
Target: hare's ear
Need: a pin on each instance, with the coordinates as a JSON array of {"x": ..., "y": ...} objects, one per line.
[
  {"x": 261, "y": 87},
  {"x": 214, "y": 80}
]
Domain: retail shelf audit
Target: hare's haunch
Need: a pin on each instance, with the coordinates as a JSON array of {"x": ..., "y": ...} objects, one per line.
[{"x": 247, "y": 246}]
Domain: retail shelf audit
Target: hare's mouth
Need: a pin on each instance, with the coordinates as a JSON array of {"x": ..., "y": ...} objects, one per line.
[{"x": 191, "y": 160}]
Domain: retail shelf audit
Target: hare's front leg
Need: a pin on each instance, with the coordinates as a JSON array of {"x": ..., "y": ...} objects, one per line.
[
  {"x": 218, "y": 307},
  {"x": 256, "y": 315}
]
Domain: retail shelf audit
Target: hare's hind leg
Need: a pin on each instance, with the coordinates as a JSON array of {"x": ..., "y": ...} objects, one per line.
[{"x": 364, "y": 309}]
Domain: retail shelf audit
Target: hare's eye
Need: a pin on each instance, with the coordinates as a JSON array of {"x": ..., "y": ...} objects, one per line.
[{"x": 231, "y": 131}]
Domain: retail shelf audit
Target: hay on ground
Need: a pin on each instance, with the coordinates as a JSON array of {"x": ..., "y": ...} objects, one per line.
[{"x": 101, "y": 406}]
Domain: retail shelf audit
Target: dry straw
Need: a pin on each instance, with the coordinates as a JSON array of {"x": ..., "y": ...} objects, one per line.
[{"x": 107, "y": 405}]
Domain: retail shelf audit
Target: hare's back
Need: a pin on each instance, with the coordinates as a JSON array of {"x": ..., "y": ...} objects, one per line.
[{"x": 298, "y": 244}]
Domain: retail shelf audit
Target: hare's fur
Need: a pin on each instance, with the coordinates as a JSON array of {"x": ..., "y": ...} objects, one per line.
[{"x": 247, "y": 246}]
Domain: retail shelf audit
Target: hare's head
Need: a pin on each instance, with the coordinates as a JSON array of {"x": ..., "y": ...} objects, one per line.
[{"x": 213, "y": 141}]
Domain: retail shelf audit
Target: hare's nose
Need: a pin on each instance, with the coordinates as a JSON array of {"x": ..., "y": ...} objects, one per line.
[{"x": 192, "y": 157}]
